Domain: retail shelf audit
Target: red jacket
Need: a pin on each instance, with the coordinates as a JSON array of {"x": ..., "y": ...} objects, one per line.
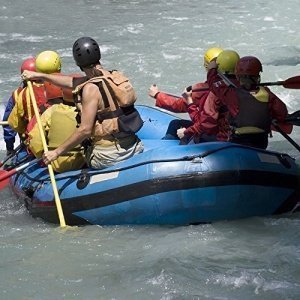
[
  {"x": 228, "y": 97},
  {"x": 214, "y": 118},
  {"x": 204, "y": 112}
]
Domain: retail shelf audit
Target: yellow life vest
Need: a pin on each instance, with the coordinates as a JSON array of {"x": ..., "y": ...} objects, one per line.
[
  {"x": 59, "y": 124},
  {"x": 16, "y": 119},
  {"x": 23, "y": 112}
]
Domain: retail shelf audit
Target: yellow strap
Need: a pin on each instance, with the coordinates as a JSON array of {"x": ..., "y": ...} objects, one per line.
[
  {"x": 248, "y": 130},
  {"x": 28, "y": 100},
  {"x": 16, "y": 94},
  {"x": 50, "y": 169}
]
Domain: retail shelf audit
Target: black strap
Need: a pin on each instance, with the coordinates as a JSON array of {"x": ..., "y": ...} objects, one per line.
[
  {"x": 114, "y": 114},
  {"x": 103, "y": 94},
  {"x": 68, "y": 103},
  {"x": 55, "y": 101}
]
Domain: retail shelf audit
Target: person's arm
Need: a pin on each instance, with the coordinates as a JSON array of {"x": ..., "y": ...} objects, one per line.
[
  {"x": 279, "y": 112},
  {"x": 16, "y": 119},
  {"x": 278, "y": 108},
  {"x": 204, "y": 118},
  {"x": 226, "y": 94},
  {"x": 90, "y": 100},
  {"x": 8, "y": 133},
  {"x": 169, "y": 102},
  {"x": 187, "y": 95},
  {"x": 56, "y": 79}
]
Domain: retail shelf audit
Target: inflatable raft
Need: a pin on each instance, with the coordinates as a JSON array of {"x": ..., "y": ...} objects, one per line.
[{"x": 168, "y": 183}]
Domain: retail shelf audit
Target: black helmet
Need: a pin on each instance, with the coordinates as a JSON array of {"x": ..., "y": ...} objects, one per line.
[{"x": 86, "y": 52}]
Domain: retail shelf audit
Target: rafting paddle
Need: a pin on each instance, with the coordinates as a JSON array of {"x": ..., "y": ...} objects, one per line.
[
  {"x": 7, "y": 158},
  {"x": 290, "y": 83},
  {"x": 3, "y": 123},
  {"x": 278, "y": 128},
  {"x": 293, "y": 117},
  {"x": 5, "y": 175},
  {"x": 50, "y": 169}
]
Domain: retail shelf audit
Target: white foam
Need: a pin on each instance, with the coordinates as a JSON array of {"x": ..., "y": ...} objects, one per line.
[
  {"x": 268, "y": 19},
  {"x": 171, "y": 56}
]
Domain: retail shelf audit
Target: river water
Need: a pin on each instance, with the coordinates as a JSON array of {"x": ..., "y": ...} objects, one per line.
[{"x": 151, "y": 42}]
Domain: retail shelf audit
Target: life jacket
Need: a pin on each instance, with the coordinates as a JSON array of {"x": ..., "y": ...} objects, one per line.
[
  {"x": 40, "y": 97},
  {"x": 253, "y": 115},
  {"x": 53, "y": 92},
  {"x": 41, "y": 101},
  {"x": 16, "y": 93},
  {"x": 118, "y": 117},
  {"x": 59, "y": 124},
  {"x": 56, "y": 94},
  {"x": 23, "y": 112},
  {"x": 67, "y": 93},
  {"x": 64, "y": 116}
]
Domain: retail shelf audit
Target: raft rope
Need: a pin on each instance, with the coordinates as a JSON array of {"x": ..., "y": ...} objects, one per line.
[{"x": 280, "y": 156}]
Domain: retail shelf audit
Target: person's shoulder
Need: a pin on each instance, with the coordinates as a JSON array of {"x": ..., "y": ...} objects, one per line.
[
  {"x": 267, "y": 89},
  {"x": 90, "y": 89},
  {"x": 90, "y": 85},
  {"x": 200, "y": 85}
]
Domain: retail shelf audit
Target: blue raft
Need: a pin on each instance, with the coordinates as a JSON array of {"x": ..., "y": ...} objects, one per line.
[{"x": 168, "y": 183}]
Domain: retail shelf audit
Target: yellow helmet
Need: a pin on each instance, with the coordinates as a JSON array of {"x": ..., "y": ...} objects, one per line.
[
  {"x": 227, "y": 61},
  {"x": 48, "y": 62},
  {"x": 210, "y": 54}
]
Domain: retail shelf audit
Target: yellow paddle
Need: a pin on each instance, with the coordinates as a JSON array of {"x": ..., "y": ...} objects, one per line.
[{"x": 50, "y": 169}]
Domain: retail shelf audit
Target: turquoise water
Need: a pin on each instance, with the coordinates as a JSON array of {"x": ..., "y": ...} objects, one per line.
[{"x": 151, "y": 42}]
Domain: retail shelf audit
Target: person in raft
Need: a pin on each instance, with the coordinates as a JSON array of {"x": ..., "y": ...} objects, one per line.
[
  {"x": 252, "y": 107},
  {"x": 9, "y": 133},
  {"x": 105, "y": 99},
  {"x": 208, "y": 118},
  {"x": 22, "y": 117},
  {"x": 58, "y": 122}
]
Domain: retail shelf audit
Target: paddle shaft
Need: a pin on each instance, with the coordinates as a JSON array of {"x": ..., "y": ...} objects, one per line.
[
  {"x": 3, "y": 123},
  {"x": 11, "y": 155},
  {"x": 290, "y": 83},
  {"x": 8, "y": 174},
  {"x": 274, "y": 123},
  {"x": 294, "y": 118},
  {"x": 45, "y": 147}
]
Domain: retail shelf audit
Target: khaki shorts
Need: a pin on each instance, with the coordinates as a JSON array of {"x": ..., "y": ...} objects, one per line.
[{"x": 102, "y": 156}]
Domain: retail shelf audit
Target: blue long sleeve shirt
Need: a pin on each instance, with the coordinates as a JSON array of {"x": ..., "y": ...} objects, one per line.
[{"x": 8, "y": 133}]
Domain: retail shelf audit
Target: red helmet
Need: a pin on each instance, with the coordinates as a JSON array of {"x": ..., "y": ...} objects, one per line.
[
  {"x": 248, "y": 65},
  {"x": 28, "y": 64}
]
